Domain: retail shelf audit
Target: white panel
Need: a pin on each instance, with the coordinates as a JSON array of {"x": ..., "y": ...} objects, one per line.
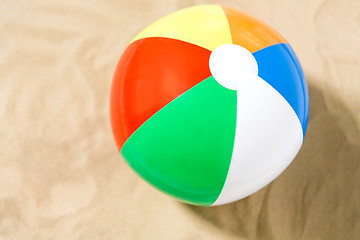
[{"x": 268, "y": 137}]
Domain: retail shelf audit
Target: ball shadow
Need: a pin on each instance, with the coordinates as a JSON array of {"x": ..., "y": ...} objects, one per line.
[{"x": 317, "y": 196}]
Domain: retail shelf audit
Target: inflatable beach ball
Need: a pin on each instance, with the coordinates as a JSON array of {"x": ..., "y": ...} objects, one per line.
[{"x": 209, "y": 105}]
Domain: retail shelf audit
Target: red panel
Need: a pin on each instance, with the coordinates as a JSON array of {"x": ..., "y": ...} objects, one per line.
[{"x": 151, "y": 73}]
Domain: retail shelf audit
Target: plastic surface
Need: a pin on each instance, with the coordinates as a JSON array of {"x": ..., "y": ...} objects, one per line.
[
  {"x": 231, "y": 64},
  {"x": 191, "y": 143},
  {"x": 235, "y": 68},
  {"x": 277, "y": 65},
  {"x": 199, "y": 25},
  {"x": 151, "y": 73},
  {"x": 249, "y": 32},
  {"x": 209, "y": 137}
]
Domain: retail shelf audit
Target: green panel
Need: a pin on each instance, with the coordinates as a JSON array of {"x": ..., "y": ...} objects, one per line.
[{"x": 185, "y": 148}]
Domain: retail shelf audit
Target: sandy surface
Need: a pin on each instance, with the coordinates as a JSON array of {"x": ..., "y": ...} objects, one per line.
[{"x": 61, "y": 176}]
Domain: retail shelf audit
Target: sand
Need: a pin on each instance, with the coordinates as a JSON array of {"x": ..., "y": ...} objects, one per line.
[{"x": 61, "y": 176}]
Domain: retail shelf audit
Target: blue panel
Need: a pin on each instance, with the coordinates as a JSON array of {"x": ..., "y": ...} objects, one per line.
[{"x": 279, "y": 66}]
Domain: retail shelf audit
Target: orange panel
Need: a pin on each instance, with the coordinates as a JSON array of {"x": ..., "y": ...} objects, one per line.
[
  {"x": 251, "y": 33},
  {"x": 151, "y": 73}
]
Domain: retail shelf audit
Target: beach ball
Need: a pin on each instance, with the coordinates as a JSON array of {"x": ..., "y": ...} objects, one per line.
[{"x": 208, "y": 105}]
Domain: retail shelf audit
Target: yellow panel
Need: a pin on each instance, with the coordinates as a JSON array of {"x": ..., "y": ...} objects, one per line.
[{"x": 205, "y": 25}]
